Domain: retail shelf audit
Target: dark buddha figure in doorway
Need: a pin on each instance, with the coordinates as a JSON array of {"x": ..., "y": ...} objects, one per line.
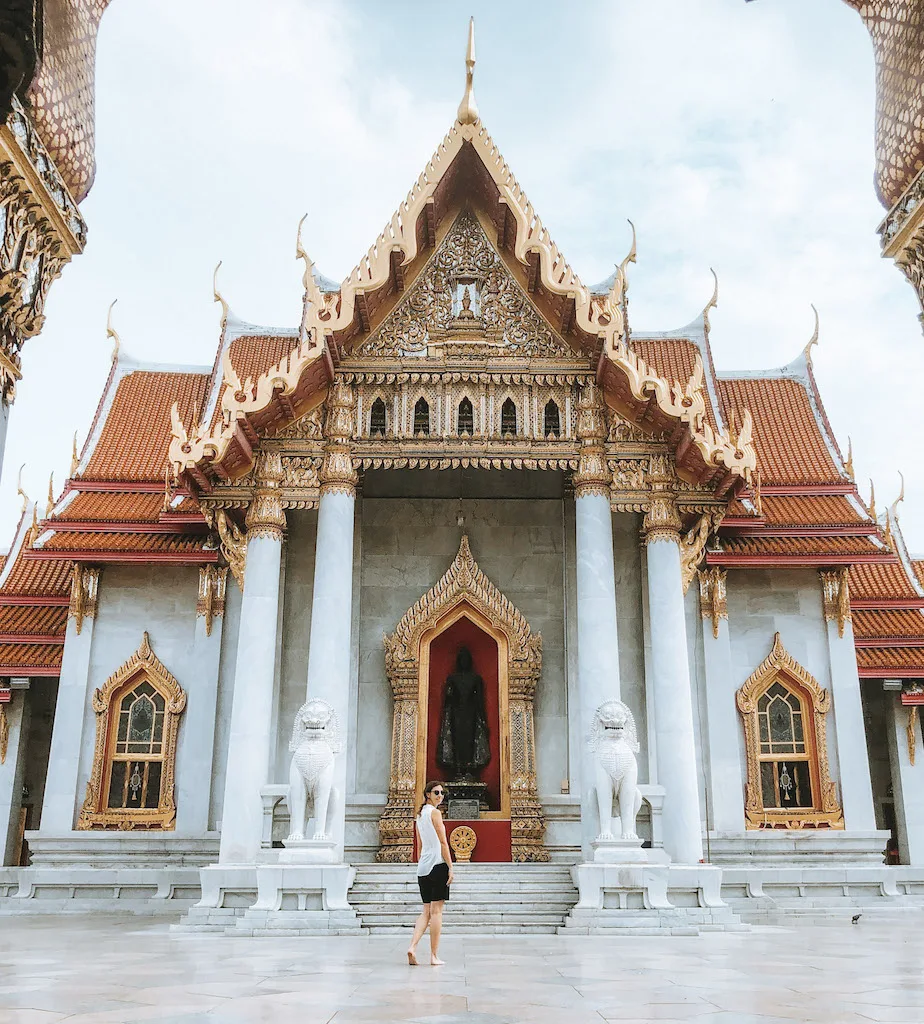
[{"x": 463, "y": 742}]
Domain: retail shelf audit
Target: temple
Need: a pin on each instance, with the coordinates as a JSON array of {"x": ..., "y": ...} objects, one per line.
[{"x": 225, "y": 644}]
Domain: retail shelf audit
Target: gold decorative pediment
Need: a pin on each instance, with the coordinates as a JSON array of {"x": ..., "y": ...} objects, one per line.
[
  {"x": 464, "y": 581},
  {"x": 465, "y": 299}
]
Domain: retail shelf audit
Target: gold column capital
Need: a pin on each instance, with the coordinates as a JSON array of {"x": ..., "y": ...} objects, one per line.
[
  {"x": 592, "y": 475},
  {"x": 84, "y": 594},
  {"x": 266, "y": 517},
  {"x": 337, "y": 474},
  {"x": 662, "y": 521}
]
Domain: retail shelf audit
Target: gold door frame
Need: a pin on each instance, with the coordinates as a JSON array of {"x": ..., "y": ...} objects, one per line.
[{"x": 464, "y": 590}]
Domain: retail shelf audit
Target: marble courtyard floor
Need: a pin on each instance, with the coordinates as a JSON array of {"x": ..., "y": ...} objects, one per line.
[{"x": 85, "y": 969}]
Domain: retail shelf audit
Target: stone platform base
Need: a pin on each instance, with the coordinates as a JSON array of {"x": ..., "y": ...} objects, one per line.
[
  {"x": 274, "y": 899},
  {"x": 648, "y": 899},
  {"x": 784, "y": 849},
  {"x": 165, "y": 890},
  {"x": 822, "y": 895}
]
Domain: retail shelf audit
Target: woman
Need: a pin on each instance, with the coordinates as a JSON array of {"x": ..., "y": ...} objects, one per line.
[{"x": 434, "y": 873}]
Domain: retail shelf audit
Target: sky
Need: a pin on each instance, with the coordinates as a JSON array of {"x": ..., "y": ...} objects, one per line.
[{"x": 735, "y": 135}]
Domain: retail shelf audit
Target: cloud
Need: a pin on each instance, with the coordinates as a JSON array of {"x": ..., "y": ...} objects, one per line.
[{"x": 738, "y": 136}]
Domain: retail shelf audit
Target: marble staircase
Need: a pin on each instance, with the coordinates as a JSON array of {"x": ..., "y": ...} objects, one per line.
[{"x": 487, "y": 899}]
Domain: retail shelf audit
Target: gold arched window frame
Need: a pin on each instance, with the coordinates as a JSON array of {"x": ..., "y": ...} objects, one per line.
[
  {"x": 142, "y": 666},
  {"x": 825, "y": 812}
]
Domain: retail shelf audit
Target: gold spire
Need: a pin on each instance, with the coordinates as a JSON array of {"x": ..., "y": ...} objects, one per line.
[
  {"x": 893, "y": 509},
  {"x": 468, "y": 108},
  {"x": 19, "y": 490},
  {"x": 872, "y": 502},
  {"x": 218, "y": 298},
  {"x": 75, "y": 458},
  {"x": 713, "y": 302},
  {"x": 807, "y": 351},
  {"x": 848, "y": 465},
  {"x": 111, "y": 332},
  {"x": 51, "y": 493}
]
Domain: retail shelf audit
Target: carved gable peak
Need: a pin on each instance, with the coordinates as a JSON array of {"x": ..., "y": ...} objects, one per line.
[{"x": 465, "y": 300}]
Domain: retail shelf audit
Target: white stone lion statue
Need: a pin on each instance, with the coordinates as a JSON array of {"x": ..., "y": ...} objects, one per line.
[
  {"x": 614, "y": 743},
  {"x": 314, "y": 745}
]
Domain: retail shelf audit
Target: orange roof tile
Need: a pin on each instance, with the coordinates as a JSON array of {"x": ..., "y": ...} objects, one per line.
[
  {"x": 134, "y": 439},
  {"x": 891, "y": 659},
  {"x": 32, "y": 619},
  {"x": 23, "y": 656},
  {"x": 30, "y": 576},
  {"x": 790, "y": 446},
  {"x": 147, "y": 542},
  {"x": 883, "y": 580},
  {"x": 901, "y": 622},
  {"x": 252, "y": 355},
  {"x": 838, "y": 546},
  {"x": 674, "y": 359},
  {"x": 918, "y": 565},
  {"x": 810, "y": 510},
  {"x": 108, "y": 507}
]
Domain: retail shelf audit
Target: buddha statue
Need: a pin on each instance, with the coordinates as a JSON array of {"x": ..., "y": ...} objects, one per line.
[{"x": 463, "y": 740}]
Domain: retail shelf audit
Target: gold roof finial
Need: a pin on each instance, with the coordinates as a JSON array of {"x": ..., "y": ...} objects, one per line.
[
  {"x": 848, "y": 465},
  {"x": 19, "y": 490},
  {"x": 872, "y": 501},
  {"x": 111, "y": 332},
  {"x": 218, "y": 297},
  {"x": 468, "y": 108},
  {"x": 713, "y": 302},
  {"x": 300, "y": 254},
  {"x": 807, "y": 351},
  {"x": 893, "y": 508},
  {"x": 75, "y": 458},
  {"x": 51, "y": 493}
]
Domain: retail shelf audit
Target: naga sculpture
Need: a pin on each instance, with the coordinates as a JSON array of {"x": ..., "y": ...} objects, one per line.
[
  {"x": 314, "y": 745},
  {"x": 614, "y": 743}
]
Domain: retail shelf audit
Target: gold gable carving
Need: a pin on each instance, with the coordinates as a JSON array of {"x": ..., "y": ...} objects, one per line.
[{"x": 505, "y": 318}]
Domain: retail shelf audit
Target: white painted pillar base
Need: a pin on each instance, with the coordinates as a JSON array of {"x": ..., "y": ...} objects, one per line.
[
  {"x": 11, "y": 775},
  {"x": 850, "y": 731},
  {"x": 252, "y": 703},
  {"x": 598, "y": 649},
  {"x": 59, "y": 806},
  {"x": 670, "y": 677},
  {"x": 329, "y": 639},
  {"x": 194, "y": 768},
  {"x": 907, "y": 781}
]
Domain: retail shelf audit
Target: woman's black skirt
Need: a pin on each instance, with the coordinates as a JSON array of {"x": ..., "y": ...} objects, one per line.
[{"x": 435, "y": 886}]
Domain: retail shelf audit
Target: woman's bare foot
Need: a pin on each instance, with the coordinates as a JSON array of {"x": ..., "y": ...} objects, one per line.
[
  {"x": 411, "y": 958},
  {"x": 436, "y": 962}
]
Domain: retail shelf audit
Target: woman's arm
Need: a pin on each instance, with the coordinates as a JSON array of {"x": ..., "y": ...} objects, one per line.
[{"x": 441, "y": 835}]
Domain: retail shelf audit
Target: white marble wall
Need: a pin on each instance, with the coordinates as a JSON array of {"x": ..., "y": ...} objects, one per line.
[
  {"x": 407, "y": 544},
  {"x": 132, "y": 599},
  {"x": 762, "y": 602}
]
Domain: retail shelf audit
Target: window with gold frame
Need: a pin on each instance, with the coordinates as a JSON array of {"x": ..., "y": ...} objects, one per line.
[
  {"x": 137, "y": 716},
  {"x": 788, "y": 781}
]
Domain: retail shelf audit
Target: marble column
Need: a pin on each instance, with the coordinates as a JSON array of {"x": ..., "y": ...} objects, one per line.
[
  {"x": 197, "y": 737},
  {"x": 329, "y": 657},
  {"x": 59, "y": 808},
  {"x": 725, "y": 780},
  {"x": 847, "y": 707},
  {"x": 598, "y": 649},
  {"x": 254, "y": 676},
  {"x": 12, "y": 770},
  {"x": 670, "y": 678},
  {"x": 904, "y": 733}
]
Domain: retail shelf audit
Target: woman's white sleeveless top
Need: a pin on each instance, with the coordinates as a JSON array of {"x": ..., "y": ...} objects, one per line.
[{"x": 430, "y": 852}]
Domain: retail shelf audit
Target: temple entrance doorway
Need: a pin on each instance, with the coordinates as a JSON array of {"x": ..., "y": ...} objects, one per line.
[
  {"x": 463, "y": 708},
  {"x": 463, "y": 666}
]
